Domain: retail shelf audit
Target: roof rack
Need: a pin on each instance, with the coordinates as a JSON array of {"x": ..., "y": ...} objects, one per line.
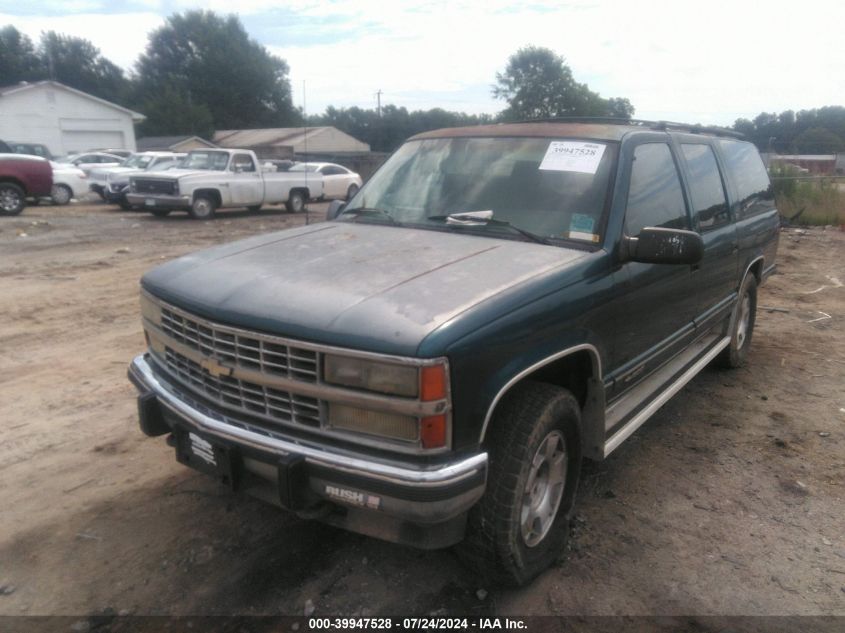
[{"x": 652, "y": 125}]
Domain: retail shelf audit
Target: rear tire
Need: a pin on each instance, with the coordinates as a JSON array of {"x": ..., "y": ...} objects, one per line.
[
  {"x": 296, "y": 202},
  {"x": 60, "y": 194},
  {"x": 12, "y": 199},
  {"x": 521, "y": 524},
  {"x": 203, "y": 208},
  {"x": 742, "y": 325}
]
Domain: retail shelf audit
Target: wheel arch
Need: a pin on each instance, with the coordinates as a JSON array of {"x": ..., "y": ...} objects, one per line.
[
  {"x": 577, "y": 369},
  {"x": 11, "y": 180},
  {"x": 214, "y": 194}
]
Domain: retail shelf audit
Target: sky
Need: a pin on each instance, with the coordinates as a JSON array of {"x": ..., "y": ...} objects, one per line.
[{"x": 697, "y": 62}]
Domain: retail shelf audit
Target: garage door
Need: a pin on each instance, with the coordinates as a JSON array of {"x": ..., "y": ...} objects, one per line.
[{"x": 83, "y": 141}]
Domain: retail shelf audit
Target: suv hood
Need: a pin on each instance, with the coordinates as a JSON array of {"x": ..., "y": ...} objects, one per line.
[{"x": 361, "y": 286}]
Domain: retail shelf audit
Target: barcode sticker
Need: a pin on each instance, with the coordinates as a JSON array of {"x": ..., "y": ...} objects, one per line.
[{"x": 575, "y": 156}]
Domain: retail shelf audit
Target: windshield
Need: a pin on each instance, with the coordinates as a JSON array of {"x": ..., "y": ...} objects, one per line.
[
  {"x": 303, "y": 167},
  {"x": 215, "y": 161},
  {"x": 137, "y": 161},
  {"x": 552, "y": 188}
]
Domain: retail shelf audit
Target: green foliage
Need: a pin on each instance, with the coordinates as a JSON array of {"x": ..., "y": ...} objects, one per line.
[
  {"x": 817, "y": 131},
  {"x": 171, "y": 112},
  {"x": 210, "y": 61},
  {"x": 18, "y": 59},
  {"x": 386, "y": 132},
  {"x": 76, "y": 62},
  {"x": 537, "y": 84}
]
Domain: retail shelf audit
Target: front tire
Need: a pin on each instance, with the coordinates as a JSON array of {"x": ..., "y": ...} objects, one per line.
[
  {"x": 296, "y": 202},
  {"x": 350, "y": 193},
  {"x": 12, "y": 199},
  {"x": 203, "y": 208},
  {"x": 521, "y": 524},
  {"x": 60, "y": 194},
  {"x": 742, "y": 325}
]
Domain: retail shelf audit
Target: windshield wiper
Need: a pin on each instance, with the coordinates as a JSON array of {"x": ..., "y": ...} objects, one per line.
[
  {"x": 371, "y": 212},
  {"x": 485, "y": 218}
]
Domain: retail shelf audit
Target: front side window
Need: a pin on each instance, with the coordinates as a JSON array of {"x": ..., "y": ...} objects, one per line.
[
  {"x": 243, "y": 163},
  {"x": 708, "y": 194},
  {"x": 555, "y": 189},
  {"x": 655, "y": 197}
]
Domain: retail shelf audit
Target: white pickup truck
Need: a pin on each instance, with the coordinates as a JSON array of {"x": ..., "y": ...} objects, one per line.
[{"x": 211, "y": 179}]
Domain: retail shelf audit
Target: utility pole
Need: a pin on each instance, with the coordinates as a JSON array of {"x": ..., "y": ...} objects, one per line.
[{"x": 378, "y": 97}]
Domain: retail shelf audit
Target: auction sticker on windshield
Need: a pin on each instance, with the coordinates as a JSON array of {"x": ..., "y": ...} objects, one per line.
[{"x": 573, "y": 156}]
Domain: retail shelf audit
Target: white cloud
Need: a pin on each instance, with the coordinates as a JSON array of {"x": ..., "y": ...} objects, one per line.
[{"x": 707, "y": 62}]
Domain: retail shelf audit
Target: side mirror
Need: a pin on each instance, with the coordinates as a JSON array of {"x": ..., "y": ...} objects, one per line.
[
  {"x": 335, "y": 209},
  {"x": 664, "y": 246}
]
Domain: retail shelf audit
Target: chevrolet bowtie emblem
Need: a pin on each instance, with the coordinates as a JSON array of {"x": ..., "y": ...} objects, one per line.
[{"x": 215, "y": 368}]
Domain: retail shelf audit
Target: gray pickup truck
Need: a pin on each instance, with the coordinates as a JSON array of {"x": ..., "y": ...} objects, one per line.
[{"x": 495, "y": 305}]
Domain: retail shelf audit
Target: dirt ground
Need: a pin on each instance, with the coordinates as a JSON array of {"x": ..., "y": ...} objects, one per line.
[{"x": 729, "y": 501}]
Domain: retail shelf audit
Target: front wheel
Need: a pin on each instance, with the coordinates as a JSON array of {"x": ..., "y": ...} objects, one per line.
[
  {"x": 60, "y": 194},
  {"x": 521, "y": 524},
  {"x": 296, "y": 202},
  {"x": 350, "y": 193},
  {"x": 12, "y": 199},
  {"x": 742, "y": 325},
  {"x": 203, "y": 208}
]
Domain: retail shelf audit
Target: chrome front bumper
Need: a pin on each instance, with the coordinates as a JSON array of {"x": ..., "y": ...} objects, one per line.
[
  {"x": 406, "y": 492},
  {"x": 162, "y": 201}
]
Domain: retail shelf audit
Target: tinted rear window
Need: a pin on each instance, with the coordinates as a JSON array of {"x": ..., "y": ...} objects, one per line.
[{"x": 746, "y": 168}]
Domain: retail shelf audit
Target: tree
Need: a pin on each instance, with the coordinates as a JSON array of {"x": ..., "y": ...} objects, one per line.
[
  {"x": 171, "y": 112},
  {"x": 77, "y": 63},
  {"x": 816, "y": 131},
  {"x": 18, "y": 59},
  {"x": 386, "y": 132},
  {"x": 537, "y": 84},
  {"x": 209, "y": 61}
]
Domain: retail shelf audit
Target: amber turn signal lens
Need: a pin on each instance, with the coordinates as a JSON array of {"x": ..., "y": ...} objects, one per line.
[
  {"x": 433, "y": 383},
  {"x": 433, "y": 431}
]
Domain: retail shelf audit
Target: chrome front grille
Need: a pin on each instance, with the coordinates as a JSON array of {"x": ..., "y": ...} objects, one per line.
[
  {"x": 239, "y": 350},
  {"x": 265, "y": 402}
]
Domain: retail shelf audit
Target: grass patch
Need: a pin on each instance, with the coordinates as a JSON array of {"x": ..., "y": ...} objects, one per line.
[{"x": 822, "y": 200}]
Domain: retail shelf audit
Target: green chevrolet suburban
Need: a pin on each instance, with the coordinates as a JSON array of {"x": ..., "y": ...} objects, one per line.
[{"x": 495, "y": 305}]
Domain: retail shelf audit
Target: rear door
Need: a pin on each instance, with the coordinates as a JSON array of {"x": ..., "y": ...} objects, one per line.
[{"x": 715, "y": 276}]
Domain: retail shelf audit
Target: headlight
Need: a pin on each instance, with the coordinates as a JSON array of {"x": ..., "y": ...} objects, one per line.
[
  {"x": 358, "y": 373},
  {"x": 150, "y": 310}
]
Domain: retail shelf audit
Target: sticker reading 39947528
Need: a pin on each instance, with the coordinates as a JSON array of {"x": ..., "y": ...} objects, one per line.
[{"x": 576, "y": 156}]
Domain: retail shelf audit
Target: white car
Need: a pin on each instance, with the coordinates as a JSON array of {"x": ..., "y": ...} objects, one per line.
[
  {"x": 68, "y": 182},
  {"x": 87, "y": 162},
  {"x": 338, "y": 181},
  {"x": 110, "y": 183}
]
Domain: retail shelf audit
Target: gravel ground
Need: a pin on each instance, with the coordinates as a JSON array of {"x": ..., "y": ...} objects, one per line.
[{"x": 729, "y": 501}]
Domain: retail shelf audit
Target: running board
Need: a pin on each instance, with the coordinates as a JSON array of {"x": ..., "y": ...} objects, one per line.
[{"x": 623, "y": 407}]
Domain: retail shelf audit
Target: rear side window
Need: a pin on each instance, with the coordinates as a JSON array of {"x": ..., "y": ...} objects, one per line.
[
  {"x": 655, "y": 197},
  {"x": 708, "y": 194},
  {"x": 747, "y": 170}
]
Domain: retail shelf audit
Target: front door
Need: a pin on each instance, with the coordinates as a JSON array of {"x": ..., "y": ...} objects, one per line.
[
  {"x": 654, "y": 303},
  {"x": 246, "y": 186}
]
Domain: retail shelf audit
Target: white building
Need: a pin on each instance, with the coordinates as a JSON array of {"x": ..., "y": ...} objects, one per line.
[{"x": 64, "y": 119}]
